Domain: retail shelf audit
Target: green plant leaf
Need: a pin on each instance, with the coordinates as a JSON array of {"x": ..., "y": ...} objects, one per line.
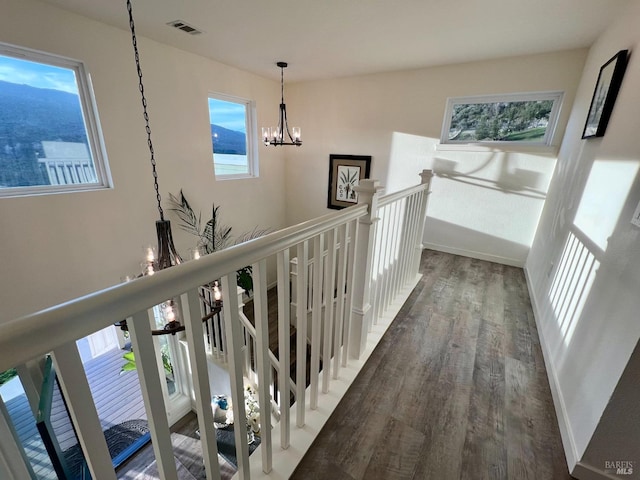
[
  {"x": 252, "y": 234},
  {"x": 244, "y": 278},
  {"x": 128, "y": 367},
  {"x": 188, "y": 221}
]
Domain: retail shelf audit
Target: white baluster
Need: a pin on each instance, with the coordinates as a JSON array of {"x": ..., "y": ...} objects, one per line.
[
  {"x": 284, "y": 346},
  {"x": 199, "y": 371},
  {"x": 301, "y": 331},
  {"x": 387, "y": 251},
  {"x": 235, "y": 342},
  {"x": 397, "y": 251},
  {"x": 82, "y": 410},
  {"x": 293, "y": 267},
  {"x": 316, "y": 318},
  {"x": 329, "y": 287},
  {"x": 263, "y": 361},
  {"x": 352, "y": 235},
  {"x": 152, "y": 394},
  {"x": 340, "y": 299}
]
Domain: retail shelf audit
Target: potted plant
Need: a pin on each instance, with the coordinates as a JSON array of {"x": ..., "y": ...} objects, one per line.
[{"x": 213, "y": 235}]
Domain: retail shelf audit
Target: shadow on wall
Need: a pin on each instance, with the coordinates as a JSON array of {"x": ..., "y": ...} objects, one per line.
[
  {"x": 439, "y": 235},
  {"x": 571, "y": 283},
  {"x": 591, "y": 242},
  {"x": 513, "y": 180}
]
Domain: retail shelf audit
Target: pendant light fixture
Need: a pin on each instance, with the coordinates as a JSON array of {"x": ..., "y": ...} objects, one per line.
[
  {"x": 276, "y": 135},
  {"x": 167, "y": 254}
]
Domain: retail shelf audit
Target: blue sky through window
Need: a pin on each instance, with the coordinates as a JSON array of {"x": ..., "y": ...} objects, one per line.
[
  {"x": 227, "y": 115},
  {"x": 37, "y": 75}
]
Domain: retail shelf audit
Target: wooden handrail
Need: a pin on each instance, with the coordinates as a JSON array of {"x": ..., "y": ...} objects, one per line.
[{"x": 72, "y": 320}]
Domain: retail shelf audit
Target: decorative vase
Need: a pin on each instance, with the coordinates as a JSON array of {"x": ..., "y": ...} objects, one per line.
[{"x": 220, "y": 406}]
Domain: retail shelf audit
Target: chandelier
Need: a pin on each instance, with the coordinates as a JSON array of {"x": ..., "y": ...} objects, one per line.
[
  {"x": 167, "y": 254},
  {"x": 276, "y": 135}
]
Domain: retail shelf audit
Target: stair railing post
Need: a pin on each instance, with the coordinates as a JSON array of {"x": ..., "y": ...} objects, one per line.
[
  {"x": 368, "y": 192},
  {"x": 426, "y": 176}
]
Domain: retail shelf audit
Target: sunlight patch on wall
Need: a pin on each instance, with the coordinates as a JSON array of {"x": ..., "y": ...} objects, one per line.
[
  {"x": 409, "y": 155},
  {"x": 571, "y": 284},
  {"x": 603, "y": 198}
]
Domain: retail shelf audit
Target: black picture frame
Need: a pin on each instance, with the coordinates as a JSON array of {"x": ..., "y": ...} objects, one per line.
[
  {"x": 345, "y": 172},
  {"x": 604, "y": 95}
]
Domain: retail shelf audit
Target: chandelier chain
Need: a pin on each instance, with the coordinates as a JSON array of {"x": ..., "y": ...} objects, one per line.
[
  {"x": 282, "y": 84},
  {"x": 134, "y": 40}
]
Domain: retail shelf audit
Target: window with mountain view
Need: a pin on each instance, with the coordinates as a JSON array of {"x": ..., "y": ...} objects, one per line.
[
  {"x": 233, "y": 136},
  {"x": 528, "y": 118},
  {"x": 49, "y": 139}
]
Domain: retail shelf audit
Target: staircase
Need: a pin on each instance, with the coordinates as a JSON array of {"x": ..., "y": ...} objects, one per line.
[
  {"x": 370, "y": 266},
  {"x": 272, "y": 315}
]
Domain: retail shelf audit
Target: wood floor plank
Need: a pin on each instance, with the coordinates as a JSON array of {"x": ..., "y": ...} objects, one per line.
[
  {"x": 484, "y": 454},
  {"x": 458, "y": 382},
  {"x": 396, "y": 454}
]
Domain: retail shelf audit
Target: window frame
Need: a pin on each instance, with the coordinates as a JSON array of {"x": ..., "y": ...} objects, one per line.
[
  {"x": 556, "y": 96},
  {"x": 90, "y": 116},
  {"x": 251, "y": 126}
]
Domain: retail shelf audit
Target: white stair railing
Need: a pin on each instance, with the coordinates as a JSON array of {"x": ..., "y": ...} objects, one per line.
[{"x": 371, "y": 261}]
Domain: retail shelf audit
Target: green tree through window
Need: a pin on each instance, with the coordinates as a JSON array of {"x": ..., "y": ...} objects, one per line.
[{"x": 526, "y": 118}]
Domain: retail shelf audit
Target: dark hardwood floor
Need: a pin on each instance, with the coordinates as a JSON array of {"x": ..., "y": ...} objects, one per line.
[{"x": 456, "y": 389}]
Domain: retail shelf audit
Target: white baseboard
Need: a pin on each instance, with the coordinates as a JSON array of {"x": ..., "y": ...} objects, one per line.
[
  {"x": 512, "y": 262},
  {"x": 566, "y": 434}
]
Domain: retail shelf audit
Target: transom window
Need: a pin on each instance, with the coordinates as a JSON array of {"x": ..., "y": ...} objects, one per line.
[
  {"x": 233, "y": 137},
  {"x": 49, "y": 136},
  {"x": 524, "y": 118}
]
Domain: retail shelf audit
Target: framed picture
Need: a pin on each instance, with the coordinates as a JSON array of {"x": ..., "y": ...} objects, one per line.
[
  {"x": 345, "y": 172},
  {"x": 604, "y": 96}
]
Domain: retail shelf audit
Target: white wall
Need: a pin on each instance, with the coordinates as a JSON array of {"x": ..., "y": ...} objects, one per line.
[
  {"x": 592, "y": 198},
  {"x": 57, "y": 247},
  {"x": 485, "y": 203}
]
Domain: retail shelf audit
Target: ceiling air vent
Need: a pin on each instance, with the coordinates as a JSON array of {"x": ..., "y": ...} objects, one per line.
[{"x": 185, "y": 27}]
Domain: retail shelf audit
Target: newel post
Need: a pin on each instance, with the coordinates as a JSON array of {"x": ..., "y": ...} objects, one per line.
[
  {"x": 361, "y": 311},
  {"x": 426, "y": 176}
]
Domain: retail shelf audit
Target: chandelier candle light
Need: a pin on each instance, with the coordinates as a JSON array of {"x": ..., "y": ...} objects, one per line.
[{"x": 276, "y": 135}]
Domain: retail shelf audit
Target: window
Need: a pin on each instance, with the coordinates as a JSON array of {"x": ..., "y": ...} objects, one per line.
[
  {"x": 49, "y": 134},
  {"x": 525, "y": 118},
  {"x": 233, "y": 136}
]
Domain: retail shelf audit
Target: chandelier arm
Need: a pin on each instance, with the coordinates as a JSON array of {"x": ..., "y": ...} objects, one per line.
[
  {"x": 286, "y": 125},
  {"x": 145, "y": 114}
]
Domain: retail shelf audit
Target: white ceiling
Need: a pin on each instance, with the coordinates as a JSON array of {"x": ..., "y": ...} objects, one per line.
[{"x": 335, "y": 38}]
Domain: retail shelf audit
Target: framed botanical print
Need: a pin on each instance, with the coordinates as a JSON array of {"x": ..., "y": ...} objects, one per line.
[
  {"x": 345, "y": 172},
  {"x": 604, "y": 96}
]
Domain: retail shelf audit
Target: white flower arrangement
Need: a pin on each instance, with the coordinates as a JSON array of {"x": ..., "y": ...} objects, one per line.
[{"x": 252, "y": 408}]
